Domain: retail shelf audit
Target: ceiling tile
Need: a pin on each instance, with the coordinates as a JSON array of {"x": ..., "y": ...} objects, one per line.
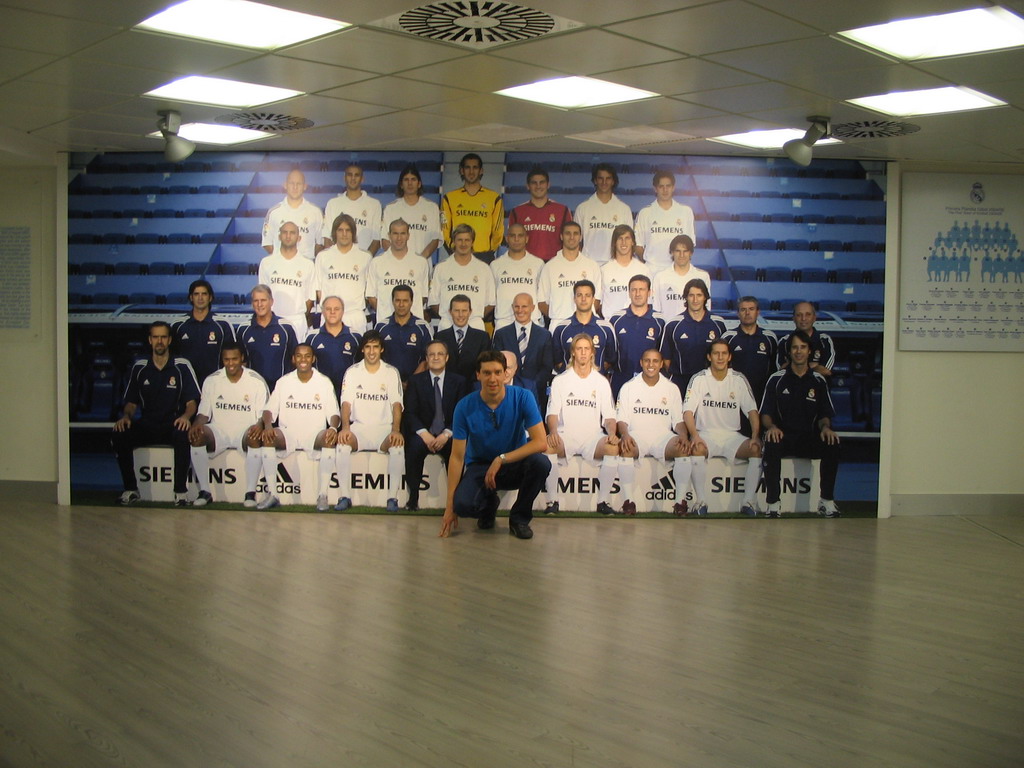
[
  {"x": 170, "y": 54},
  {"x": 297, "y": 74},
  {"x": 671, "y": 78},
  {"x": 836, "y": 16},
  {"x": 49, "y": 34},
  {"x": 30, "y": 117},
  {"x": 395, "y": 92},
  {"x": 852, "y": 83},
  {"x": 26, "y": 93},
  {"x": 383, "y": 52},
  {"x": 118, "y": 13},
  {"x": 82, "y": 73},
  {"x": 793, "y": 61},
  {"x": 584, "y": 52},
  {"x": 978, "y": 68},
  {"x": 598, "y": 14},
  {"x": 717, "y": 126},
  {"x": 16, "y": 63},
  {"x": 714, "y": 27},
  {"x": 753, "y": 98},
  {"x": 659, "y": 110},
  {"x": 485, "y": 73},
  {"x": 327, "y": 111}
]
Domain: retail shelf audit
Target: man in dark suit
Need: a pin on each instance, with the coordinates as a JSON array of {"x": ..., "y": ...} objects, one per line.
[
  {"x": 464, "y": 342},
  {"x": 428, "y": 430},
  {"x": 531, "y": 343}
]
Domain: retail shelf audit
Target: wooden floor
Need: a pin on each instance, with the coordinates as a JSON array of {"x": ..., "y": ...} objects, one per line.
[{"x": 184, "y": 638}]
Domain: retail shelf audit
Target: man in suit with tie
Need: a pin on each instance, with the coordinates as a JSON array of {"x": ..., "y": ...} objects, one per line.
[
  {"x": 530, "y": 342},
  {"x": 464, "y": 342},
  {"x": 429, "y": 407}
]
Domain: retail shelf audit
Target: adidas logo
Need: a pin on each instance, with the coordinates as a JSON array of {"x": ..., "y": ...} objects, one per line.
[
  {"x": 220, "y": 397},
  {"x": 184, "y": 337},
  {"x": 785, "y": 391},
  {"x": 622, "y": 330},
  {"x": 291, "y": 397},
  {"x": 320, "y": 345}
]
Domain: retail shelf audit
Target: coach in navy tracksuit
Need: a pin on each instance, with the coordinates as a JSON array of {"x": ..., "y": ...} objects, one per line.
[{"x": 269, "y": 341}]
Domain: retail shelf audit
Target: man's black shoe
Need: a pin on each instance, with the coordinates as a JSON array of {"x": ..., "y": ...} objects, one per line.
[
  {"x": 520, "y": 530},
  {"x": 604, "y": 508},
  {"x": 485, "y": 522},
  {"x": 413, "y": 506}
]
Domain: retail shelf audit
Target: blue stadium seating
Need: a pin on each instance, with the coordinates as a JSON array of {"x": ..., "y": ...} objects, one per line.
[
  {"x": 813, "y": 275},
  {"x": 742, "y": 272},
  {"x": 778, "y": 274}
]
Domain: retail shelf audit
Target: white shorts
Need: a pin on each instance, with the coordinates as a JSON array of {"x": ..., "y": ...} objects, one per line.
[
  {"x": 724, "y": 443},
  {"x": 583, "y": 445},
  {"x": 370, "y": 436},
  {"x": 225, "y": 442},
  {"x": 298, "y": 441},
  {"x": 654, "y": 445}
]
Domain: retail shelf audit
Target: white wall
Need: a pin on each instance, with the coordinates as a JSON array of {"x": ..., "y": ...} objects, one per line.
[
  {"x": 29, "y": 380},
  {"x": 953, "y": 427}
]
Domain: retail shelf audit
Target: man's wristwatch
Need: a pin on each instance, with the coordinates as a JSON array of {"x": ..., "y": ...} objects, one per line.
[{"x": 502, "y": 457}]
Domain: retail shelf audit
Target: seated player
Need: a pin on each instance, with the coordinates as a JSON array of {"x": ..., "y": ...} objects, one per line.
[
  {"x": 166, "y": 389},
  {"x": 650, "y": 414},
  {"x": 581, "y": 420},
  {"x": 229, "y": 419},
  {"x": 796, "y": 420},
  {"x": 430, "y": 401},
  {"x": 371, "y": 419},
  {"x": 306, "y": 411},
  {"x": 714, "y": 400}
]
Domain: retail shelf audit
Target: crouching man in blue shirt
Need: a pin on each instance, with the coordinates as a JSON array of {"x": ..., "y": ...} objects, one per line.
[{"x": 498, "y": 443}]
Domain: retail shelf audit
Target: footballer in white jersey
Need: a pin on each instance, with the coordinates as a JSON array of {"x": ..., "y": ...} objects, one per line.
[
  {"x": 293, "y": 282},
  {"x": 462, "y": 274},
  {"x": 581, "y": 420},
  {"x": 715, "y": 398},
  {"x": 341, "y": 270},
  {"x": 615, "y": 280},
  {"x": 651, "y": 424},
  {"x": 423, "y": 218},
  {"x": 514, "y": 276},
  {"x": 308, "y": 419},
  {"x": 598, "y": 220},
  {"x": 295, "y": 208},
  {"x": 371, "y": 396},
  {"x": 232, "y": 404},
  {"x": 661, "y": 221},
  {"x": 365, "y": 211},
  {"x": 668, "y": 289},
  {"x": 371, "y": 416},
  {"x": 557, "y": 280},
  {"x": 388, "y": 270},
  {"x": 302, "y": 409}
]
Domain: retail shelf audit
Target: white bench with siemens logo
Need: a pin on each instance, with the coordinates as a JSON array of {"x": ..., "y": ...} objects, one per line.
[{"x": 297, "y": 476}]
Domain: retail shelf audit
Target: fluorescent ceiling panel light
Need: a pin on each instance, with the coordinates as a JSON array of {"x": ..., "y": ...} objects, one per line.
[
  {"x": 210, "y": 133},
  {"x": 225, "y": 93},
  {"x": 947, "y": 34},
  {"x": 767, "y": 139},
  {"x": 241, "y": 23},
  {"x": 576, "y": 92},
  {"x": 931, "y": 101}
]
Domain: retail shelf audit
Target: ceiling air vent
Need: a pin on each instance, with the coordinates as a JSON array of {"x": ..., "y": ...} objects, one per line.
[
  {"x": 270, "y": 122},
  {"x": 476, "y": 25},
  {"x": 873, "y": 129}
]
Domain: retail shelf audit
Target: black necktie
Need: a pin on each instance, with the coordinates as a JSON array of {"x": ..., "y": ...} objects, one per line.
[{"x": 437, "y": 425}]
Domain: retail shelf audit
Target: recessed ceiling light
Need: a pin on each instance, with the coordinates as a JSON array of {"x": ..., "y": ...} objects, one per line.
[
  {"x": 209, "y": 133},
  {"x": 225, "y": 93},
  {"x": 240, "y": 22},
  {"x": 931, "y": 101},
  {"x": 947, "y": 34},
  {"x": 576, "y": 92},
  {"x": 773, "y": 139}
]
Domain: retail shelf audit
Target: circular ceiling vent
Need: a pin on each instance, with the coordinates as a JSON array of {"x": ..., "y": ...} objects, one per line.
[
  {"x": 269, "y": 122},
  {"x": 480, "y": 24},
  {"x": 873, "y": 129}
]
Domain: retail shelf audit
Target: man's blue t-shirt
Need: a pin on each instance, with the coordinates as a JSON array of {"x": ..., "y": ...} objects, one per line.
[{"x": 489, "y": 433}]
